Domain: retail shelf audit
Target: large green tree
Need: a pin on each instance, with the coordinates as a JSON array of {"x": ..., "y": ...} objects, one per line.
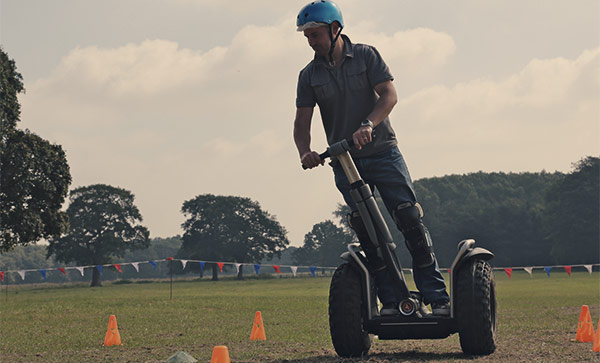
[
  {"x": 229, "y": 228},
  {"x": 573, "y": 214},
  {"x": 103, "y": 224},
  {"x": 323, "y": 245},
  {"x": 34, "y": 174}
]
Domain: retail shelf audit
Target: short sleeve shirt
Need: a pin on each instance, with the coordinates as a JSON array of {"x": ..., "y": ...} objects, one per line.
[{"x": 346, "y": 95}]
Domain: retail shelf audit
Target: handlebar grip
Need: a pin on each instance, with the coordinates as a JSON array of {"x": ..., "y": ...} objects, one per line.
[
  {"x": 327, "y": 153},
  {"x": 323, "y": 156}
]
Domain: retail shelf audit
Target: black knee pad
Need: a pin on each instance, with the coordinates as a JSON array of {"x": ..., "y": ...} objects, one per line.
[{"x": 408, "y": 218}]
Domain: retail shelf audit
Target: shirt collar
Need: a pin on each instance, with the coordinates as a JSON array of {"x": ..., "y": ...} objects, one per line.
[{"x": 348, "y": 50}]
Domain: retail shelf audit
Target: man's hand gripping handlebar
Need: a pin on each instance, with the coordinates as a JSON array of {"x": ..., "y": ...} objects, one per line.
[{"x": 335, "y": 149}]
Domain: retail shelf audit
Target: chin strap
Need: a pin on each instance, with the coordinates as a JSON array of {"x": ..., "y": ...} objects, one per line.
[{"x": 333, "y": 41}]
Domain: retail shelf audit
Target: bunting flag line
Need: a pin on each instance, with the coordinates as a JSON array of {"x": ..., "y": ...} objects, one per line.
[{"x": 293, "y": 269}]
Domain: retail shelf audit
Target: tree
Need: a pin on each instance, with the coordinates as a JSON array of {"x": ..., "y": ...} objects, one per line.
[
  {"x": 323, "y": 245},
  {"x": 34, "y": 174},
  {"x": 573, "y": 212},
  {"x": 103, "y": 224},
  {"x": 229, "y": 228}
]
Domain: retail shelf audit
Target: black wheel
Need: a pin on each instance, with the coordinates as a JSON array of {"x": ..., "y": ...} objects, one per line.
[
  {"x": 475, "y": 307},
  {"x": 346, "y": 313}
]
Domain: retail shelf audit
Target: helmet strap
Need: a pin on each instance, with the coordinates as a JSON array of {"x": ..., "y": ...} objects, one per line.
[{"x": 333, "y": 41}]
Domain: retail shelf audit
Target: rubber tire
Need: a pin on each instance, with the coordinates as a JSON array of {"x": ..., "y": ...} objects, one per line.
[
  {"x": 346, "y": 313},
  {"x": 475, "y": 307}
]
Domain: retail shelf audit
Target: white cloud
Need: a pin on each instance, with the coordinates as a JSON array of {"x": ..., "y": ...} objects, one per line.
[
  {"x": 415, "y": 48},
  {"x": 549, "y": 108}
]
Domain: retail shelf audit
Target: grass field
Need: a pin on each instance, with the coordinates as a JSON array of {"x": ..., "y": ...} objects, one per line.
[{"x": 537, "y": 319}]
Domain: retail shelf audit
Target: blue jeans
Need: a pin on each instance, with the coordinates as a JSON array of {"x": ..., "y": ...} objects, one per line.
[{"x": 388, "y": 172}]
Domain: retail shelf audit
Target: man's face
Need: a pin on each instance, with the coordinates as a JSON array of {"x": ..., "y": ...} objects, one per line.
[{"x": 318, "y": 39}]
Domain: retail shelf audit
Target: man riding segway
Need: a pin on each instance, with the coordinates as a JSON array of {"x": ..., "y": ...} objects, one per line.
[{"x": 353, "y": 87}]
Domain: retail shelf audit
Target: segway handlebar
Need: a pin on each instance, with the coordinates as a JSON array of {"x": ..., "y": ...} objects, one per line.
[{"x": 335, "y": 149}]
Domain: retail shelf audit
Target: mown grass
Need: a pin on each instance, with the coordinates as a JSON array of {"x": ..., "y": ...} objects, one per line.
[{"x": 537, "y": 318}]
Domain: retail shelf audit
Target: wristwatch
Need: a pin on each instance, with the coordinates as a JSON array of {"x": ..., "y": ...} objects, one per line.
[{"x": 367, "y": 123}]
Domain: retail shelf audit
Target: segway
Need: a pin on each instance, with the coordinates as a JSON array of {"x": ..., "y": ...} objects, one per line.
[{"x": 353, "y": 307}]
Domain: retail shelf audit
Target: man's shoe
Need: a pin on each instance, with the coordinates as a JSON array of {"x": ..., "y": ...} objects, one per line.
[
  {"x": 389, "y": 309},
  {"x": 441, "y": 309},
  {"x": 423, "y": 311}
]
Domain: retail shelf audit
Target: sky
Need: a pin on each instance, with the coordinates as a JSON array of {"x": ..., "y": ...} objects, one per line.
[{"x": 171, "y": 99}]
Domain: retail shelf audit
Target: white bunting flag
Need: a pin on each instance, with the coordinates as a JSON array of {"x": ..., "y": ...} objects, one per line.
[
  {"x": 136, "y": 266},
  {"x": 183, "y": 263},
  {"x": 80, "y": 269},
  {"x": 529, "y": 270},
  {"x": 22, "y": 274},
  {"x": 237, "y": 267},
  {"x": 589, "y": 268},
  {"x": 294, "y": 270}
]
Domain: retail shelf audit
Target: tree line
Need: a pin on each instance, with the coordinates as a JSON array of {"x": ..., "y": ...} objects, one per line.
[{"x": 525, "y": 218}]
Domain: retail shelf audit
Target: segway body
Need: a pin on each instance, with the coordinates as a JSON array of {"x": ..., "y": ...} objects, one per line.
[{"x": 353, "y": 307}]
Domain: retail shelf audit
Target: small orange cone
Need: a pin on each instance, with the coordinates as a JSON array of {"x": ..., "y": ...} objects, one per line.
[
  {"x": 220, "y": 354},
  {"x": 596, "y": 347},
  {"x": 258, "y": 329},
  {"x": 585, "y": 329},
  {"x": 112, "y": 333}
]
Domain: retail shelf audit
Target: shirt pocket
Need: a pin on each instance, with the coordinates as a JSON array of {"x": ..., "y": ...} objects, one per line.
[
  {"x": 356, "y": 76},
  {"x": 323, "y": 85}
]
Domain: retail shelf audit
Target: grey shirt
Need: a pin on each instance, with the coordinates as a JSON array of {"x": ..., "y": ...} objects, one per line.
[{"x": 346, "y": 95}]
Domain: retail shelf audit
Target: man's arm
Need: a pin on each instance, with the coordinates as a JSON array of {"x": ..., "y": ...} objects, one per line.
[
  {"x": 309, "y": 158},
  {"x": 384, "y": 105}
]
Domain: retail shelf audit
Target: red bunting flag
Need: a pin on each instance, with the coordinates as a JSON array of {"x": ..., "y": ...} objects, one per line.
[
  {"x": 220, "y": 264},
  {"x": 568, "y": 269},
  {"x": 508, "y": 272},
  {"x": 62, "y": 269},
  {"x": 169, "y": 258},
  {"x": 276, "y": 267},
  {"x": 118, "y": 267},
  {"x": 2, "y": 276}
]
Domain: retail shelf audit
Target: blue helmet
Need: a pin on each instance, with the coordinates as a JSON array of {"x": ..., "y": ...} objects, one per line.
[{"x": 322, "y": 11}]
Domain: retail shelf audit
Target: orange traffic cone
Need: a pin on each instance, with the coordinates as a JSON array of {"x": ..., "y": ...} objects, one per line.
[
  {"x": 585, "y": 329},
  {"x": 220, "y": 354},
  {"x": 258, "y": 329},
  {"x": 596, "y": 347},
  {"x": 112, "y": 333}
]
